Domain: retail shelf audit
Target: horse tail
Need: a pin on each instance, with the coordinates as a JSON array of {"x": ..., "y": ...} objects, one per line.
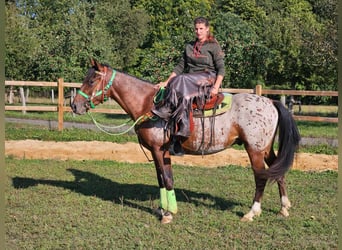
[{"x": 289, "y": 138}]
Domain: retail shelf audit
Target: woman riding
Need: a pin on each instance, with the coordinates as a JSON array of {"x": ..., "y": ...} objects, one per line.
[{"x": 197, "y": 76}]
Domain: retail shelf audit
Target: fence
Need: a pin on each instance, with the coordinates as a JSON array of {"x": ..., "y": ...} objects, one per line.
[{"x": 61, "y": 107}]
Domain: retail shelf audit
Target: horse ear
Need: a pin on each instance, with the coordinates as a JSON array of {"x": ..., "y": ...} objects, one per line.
[
  {"x": 92, "y": 61},
  {"x": 98, "y": 66}
]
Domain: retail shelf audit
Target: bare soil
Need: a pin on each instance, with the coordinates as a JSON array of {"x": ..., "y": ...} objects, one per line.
[{"x": 133, "y": 153}]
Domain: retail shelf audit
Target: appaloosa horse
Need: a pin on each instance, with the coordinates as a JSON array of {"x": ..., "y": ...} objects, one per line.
[{"x": 252, "y": 120}]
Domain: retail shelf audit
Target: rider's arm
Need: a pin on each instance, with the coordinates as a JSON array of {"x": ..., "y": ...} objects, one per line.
[
  {"x": 164, "y": 84},
  {"x": 179, "y": 69}
]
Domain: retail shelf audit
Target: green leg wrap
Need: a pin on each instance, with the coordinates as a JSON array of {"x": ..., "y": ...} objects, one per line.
[
  {"x": 172, "y": 203},
  {"x": 163, "y": 199}
]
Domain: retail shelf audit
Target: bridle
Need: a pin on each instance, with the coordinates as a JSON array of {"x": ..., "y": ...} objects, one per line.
[{"x": 97, "y": 91}]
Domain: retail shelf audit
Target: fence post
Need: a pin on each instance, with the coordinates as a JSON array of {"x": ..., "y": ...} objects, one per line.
[
  {"x": 283, "y": 100},
  {"x": 60, "y": 103},
  {"x": 22, "y": 97},
  {"x": 258, "y": 89}
]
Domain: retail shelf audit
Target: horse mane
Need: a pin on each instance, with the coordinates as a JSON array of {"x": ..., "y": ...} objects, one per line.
[
  {"x": 127, "y": 74},
  {"x": 132, "y": 76}
]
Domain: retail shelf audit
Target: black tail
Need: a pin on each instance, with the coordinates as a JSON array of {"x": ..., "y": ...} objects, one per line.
[{"x": 289, "y": 138}]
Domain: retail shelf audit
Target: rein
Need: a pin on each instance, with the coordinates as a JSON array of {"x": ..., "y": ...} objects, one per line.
[
  {"x": 141, "y": 119},
  {"x": 104, "y": 127}
]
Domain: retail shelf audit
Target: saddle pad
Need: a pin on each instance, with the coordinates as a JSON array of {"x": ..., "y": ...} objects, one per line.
[{"x": 223, "y": 107}]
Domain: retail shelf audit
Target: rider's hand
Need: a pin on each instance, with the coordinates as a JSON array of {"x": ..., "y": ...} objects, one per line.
[
  {"x": 160, "y": 85},
  {"x": 213, "y": 91}
]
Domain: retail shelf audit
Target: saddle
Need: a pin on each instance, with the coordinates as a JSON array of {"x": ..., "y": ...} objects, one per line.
[
  {"x": 211, "y": 103},
  {"x": 214, "y": 106}
]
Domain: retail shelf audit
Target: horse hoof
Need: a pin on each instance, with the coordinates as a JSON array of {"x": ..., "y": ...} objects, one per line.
[
  {"x": 246, "y": 219},
  {"x": 283, "y": 212},
  {"x": 166, "y": 218}
]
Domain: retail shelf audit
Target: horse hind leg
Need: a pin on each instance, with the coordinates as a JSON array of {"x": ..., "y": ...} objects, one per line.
[
  {"x": 258, "y": 165},
  {"x": 284, "y": 200}
]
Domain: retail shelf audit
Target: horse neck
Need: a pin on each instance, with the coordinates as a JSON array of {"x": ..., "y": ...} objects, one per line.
[{"x": 133, "y": 95}]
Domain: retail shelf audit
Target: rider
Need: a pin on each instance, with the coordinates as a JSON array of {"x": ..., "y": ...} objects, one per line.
[{"x": 198, "y": 74}]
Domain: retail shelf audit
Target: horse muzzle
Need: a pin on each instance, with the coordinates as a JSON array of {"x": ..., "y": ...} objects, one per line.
[{"x": 79, "y": 108}]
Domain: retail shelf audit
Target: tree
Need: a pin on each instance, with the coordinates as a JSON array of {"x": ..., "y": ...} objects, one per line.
[
  {"x": 246, "y": 58},
  {"x": 299, "y": 43},
  {"x": 67, "y": 32},
  {"x": 20, "y": 42},
  {"x": 171, "y": 26}
]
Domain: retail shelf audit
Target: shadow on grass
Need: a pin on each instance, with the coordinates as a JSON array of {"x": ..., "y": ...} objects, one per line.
[{"x": 90, "y": 184}]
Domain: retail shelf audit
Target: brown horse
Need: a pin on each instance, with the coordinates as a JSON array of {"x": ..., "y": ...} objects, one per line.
[{"x": 252, "y": 120}]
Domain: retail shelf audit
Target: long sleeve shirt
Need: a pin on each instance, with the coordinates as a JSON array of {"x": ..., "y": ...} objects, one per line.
[{"x": 201, "y": 57}]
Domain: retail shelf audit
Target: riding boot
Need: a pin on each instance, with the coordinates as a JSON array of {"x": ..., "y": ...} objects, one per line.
[
  {"x": 163, "y": 112},
  {"x": 176, "y": 147},
  {"x": 183, "y": 128}
]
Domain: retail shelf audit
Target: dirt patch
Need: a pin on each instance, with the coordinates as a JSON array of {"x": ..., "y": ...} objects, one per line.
[{"x": 132, "y": 153}]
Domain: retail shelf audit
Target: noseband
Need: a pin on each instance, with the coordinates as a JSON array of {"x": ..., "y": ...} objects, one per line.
[{"x": 98, "y": 92}]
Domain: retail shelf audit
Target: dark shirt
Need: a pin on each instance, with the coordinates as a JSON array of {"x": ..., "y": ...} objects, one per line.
[{"x": 201, "y": 57}]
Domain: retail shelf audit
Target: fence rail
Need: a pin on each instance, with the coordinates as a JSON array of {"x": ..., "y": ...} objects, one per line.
[{"x": 61, "y": 107}]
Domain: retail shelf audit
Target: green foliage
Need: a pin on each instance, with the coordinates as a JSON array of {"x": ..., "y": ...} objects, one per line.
[
  {"x": 287, "y": 44},
  {"x": 297, "y": 41},
  {"x": 171, "y": 26},
  {"x": 67, "y": 33},
  {"x": 246, "y": 56},
  {"x": 21, "y": 44}
]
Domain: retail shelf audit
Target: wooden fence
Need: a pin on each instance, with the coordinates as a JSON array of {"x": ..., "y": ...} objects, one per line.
[{"x": 61, "y": 107}]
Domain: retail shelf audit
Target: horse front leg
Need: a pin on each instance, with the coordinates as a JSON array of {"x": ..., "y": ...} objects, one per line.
[{"x": 168, "y": 202}]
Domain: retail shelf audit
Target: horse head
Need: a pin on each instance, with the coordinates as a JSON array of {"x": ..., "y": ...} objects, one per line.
[{"x": 93, "y": 90}]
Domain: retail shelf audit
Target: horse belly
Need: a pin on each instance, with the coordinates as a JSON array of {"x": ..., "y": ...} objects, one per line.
[{"x": 210, "y": 135}]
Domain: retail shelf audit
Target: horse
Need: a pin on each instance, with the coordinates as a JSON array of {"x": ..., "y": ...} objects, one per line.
[{"x": 252, "y": 120}]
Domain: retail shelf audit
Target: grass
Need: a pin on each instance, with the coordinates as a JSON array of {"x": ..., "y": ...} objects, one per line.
[
  {"x": 317, "y": 110},
  {"x": 307, "y": 129},
  {"x": 318, "y": 129},
  {"x": 109, "y": 205},
  {"x": 17, "y": 131}
]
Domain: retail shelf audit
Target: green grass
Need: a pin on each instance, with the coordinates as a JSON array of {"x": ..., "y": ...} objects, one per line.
[
  {"x": 15, "y": 131},
  {"x": 22, "y": 131},
  {"x": 69, "y": 117},
  {"x": 307, "y": 129},
  {"x": 318, "y": 129},
  {"x": 109, "y": 205}
]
